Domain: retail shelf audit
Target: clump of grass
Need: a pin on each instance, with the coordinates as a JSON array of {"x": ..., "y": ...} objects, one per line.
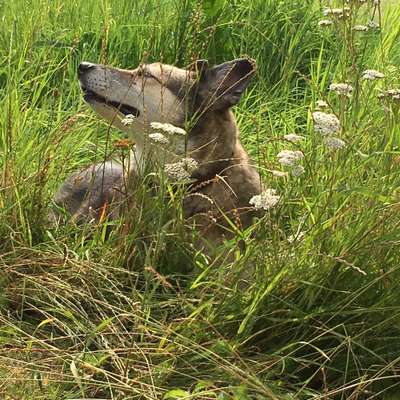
[{"x": 139, "y": 314}]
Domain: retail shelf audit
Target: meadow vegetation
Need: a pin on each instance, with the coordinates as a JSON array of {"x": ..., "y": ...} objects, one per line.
[{"x": 138, "y": 313}]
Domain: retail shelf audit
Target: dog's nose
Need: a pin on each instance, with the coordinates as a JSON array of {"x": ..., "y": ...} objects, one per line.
[{"x": 84, "y": 67}]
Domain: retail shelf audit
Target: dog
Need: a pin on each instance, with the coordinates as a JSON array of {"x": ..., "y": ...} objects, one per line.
[{"x": 196, "y": 101}]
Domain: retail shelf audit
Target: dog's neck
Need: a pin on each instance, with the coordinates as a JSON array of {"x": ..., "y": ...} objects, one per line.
[
  {"x": 213, "y": 142},
  {"x": 146, "y": 155}
]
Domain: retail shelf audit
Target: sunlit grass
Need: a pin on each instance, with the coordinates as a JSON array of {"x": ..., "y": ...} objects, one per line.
[{"x": 139, "y": 314}]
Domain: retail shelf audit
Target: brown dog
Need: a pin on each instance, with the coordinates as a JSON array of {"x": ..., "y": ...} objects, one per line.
[{"x": 198, "y": 100}]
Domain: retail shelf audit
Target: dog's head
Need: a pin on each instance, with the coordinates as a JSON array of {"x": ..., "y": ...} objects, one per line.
[{"x": 163, "y": 93}]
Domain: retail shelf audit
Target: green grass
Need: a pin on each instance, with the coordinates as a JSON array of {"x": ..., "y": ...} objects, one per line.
[{"x": 127, "y": 317}]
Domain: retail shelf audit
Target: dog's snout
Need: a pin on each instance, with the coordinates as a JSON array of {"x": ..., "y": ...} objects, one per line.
[{"x": 84, "y": 67}]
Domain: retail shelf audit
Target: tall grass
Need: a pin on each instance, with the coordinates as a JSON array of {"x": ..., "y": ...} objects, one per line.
[{"x": 139, "y": 314}]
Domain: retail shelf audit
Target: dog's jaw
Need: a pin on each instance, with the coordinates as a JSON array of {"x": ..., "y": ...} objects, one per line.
[{"x": 122, "y": 108}]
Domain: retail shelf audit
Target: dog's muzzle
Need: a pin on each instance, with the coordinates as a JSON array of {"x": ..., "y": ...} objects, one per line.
[
  {"x": 84, "y": 67},
  {"x": 90, "y": 96}
]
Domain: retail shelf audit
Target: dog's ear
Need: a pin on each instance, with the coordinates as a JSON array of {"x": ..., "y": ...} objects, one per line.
[
  {"x": 200, "y": 67},
  {"x": 222, "y": 86}
]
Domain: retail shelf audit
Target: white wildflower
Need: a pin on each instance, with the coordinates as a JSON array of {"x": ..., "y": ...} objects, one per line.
[
  {"x": 372, "y": 74},
  {"x": 158, "y": 137},
  {"x": 168, "y": 128},
  {"x": 189, "y": 164},
  {"x": 377, "y": 3},
  {"x": 334, "y": 142},
  {"x": 394, "y": 94},
  {"x": 128, "y": 120},
  {"x": 325, "y": 124},
  {"x": 360, "y": 28},
  {"x": 325, "y": 22},
  {"x": 292, "y": 137},
  {"x": 289, "y": 158},
  {"x": 265, "y": 200},
  {"x": 278, "y": 174},
  {"x": 343, "y": 89},
  {"x": 298, "y": 170},
  {"x": 181, "y": 170},
  {"x": 373, "y": 25},
  {"x": 321, "y": 104},
  {"x": 337, "y": 12},
  {"x": 176, "y": 171}
]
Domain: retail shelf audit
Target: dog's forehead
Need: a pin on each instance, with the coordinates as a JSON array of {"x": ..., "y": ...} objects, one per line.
[
  {"x": 166, "y": 72},
  {"x": 177, "y": 80}
]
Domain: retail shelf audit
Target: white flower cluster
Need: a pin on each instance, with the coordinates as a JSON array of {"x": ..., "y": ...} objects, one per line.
[
  {"x": 128, "y": 120},
  {"x": 158, "y": 137},
  {"x": 168, "y": 128},
  {"x": 334, "y": 142},
  {"x": 290, "y": 158},
  {"x": 328, "y": 125},
  {"x": 360, "y": 28},
  {"x": 265, "y": 200},
  {"x": 181, "y": 170},
  {"x": 325, "y": 124},
  {"x": 325, "y": 22},
  {"x": 292, "y": 137},
  {"x": 372, "y": 74},
  {"x": 337, "y": 12},
  {"x": 174, "y": 137},
  {"x": 342, "y": 89},
  {"x": 278, "y": 174},
  {"x": 393, "y": 94},
  {"x": 373, "y": 25}
]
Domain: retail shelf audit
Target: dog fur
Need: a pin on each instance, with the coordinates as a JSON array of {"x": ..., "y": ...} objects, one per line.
[{"x": 198, "y": 99}]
